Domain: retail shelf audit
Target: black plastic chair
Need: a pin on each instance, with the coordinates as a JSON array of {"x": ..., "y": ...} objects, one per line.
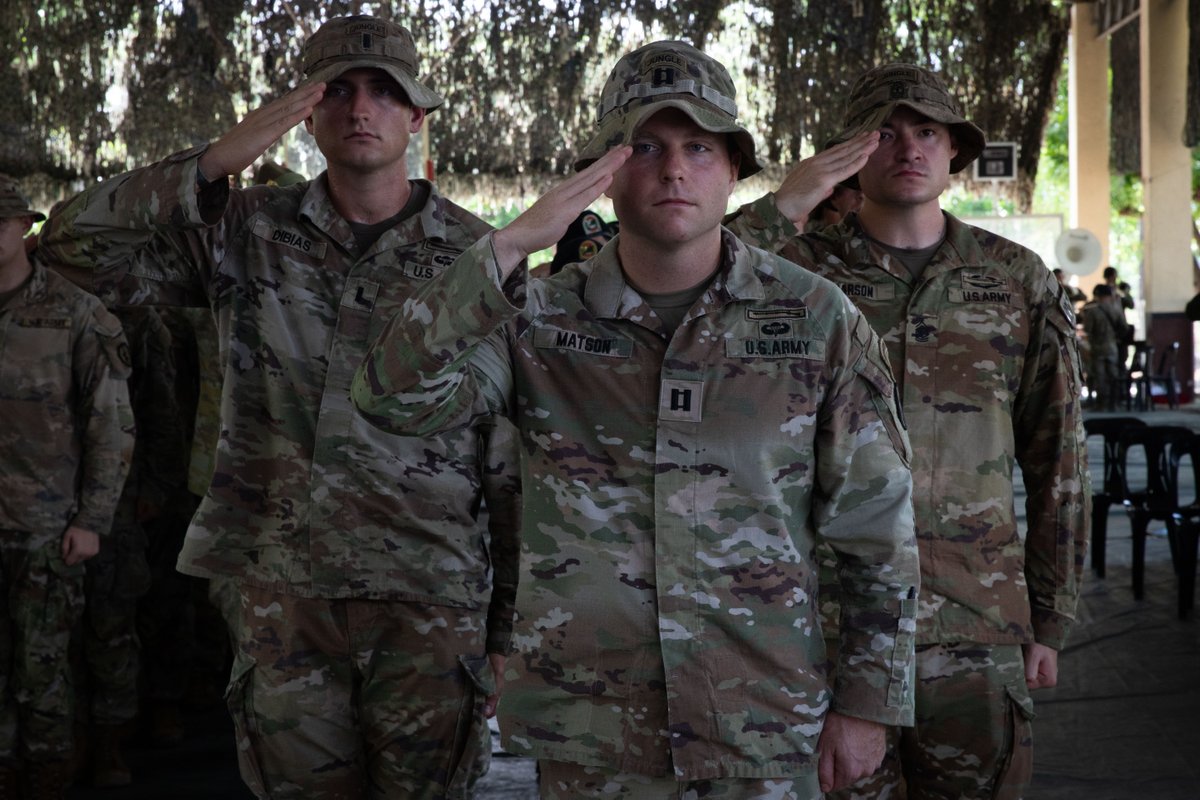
[
  {"x": 1185, "y": 538},
  {"x": 1113, "y": 489},
  {"x": 1164, "y": 445},
  {"x": 1166, "y": 376}
]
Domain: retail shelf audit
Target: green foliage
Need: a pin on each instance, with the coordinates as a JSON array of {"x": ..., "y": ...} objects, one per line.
[{"x": 521, "y": 76}]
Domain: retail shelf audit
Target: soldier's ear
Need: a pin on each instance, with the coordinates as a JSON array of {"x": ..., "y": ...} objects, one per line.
[
  {"x": 308, "y": 124},
  {"x": 417, "y": 119}
]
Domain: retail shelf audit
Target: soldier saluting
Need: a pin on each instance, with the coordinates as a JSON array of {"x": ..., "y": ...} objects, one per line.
[{"x": 676, "y": 480}]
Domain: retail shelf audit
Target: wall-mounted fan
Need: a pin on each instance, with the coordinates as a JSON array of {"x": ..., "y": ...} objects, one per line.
[{"x": 1078, "y": 251}]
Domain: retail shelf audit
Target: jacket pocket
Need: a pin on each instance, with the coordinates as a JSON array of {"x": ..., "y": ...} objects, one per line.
[{"x": 239, "y": 697}]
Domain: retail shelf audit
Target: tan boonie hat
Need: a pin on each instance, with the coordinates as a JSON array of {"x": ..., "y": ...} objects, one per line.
[
  {"x": 879, "y": 91},
  {"x": 360, "y": 41},
  {"x": 13, "y": 203},
  {"x": 667, "y": 75}
]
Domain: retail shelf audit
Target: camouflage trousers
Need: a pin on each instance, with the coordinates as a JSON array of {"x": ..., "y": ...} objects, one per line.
[
  {"x": 166, "y": 614},
  {"x": 116, "y": 578},
  {"x": 355, "y": 699},
  {"x": 1106, "y": 377},
  {"x": 562, "y": 781},
  {"x": 41, "y": 599},
  {"x": 972, "y": 739}
]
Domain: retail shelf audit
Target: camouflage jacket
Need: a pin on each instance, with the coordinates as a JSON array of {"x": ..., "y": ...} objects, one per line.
[
  {"x": 206, "y": 424},
  {"x": 158, "y": 462},
  {"x": 1105, "y": 327},
  {"x": 985, "y": 352},
  {"x": 674, "y": 487},
  {"x": 66, "y": 428},
  {"x": 307, "y": 498}
]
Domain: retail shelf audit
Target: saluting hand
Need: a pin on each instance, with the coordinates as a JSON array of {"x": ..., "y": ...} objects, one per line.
[
  {"x": 814, "y": 178},
  {"x": 544, "y": 222},
  {"x": 258, "y": 130}
]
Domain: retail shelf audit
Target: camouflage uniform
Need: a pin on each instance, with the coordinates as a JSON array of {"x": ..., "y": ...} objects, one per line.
[
  {"x": 986, "y": 357},
  {"x": 66, "y": 437},
  {"x": 120, "y": 574},
  {"x": 186, "y": 644},
  {"x": 1105, "y": 327},
  {"x": 308, "y": 501},
  {"x": 674, "y": 487}
]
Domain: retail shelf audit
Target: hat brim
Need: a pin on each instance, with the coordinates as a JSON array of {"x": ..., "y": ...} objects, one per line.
[
  {"x": 620, "y": 125},
  {"x": 28, "y": 212},
  {"x": 969, "y": 139},
  {"x": 419, "y": 94}
]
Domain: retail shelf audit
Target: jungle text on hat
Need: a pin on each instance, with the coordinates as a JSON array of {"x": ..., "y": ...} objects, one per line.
[
  {"x": 662, "y": 75},
  {"x": 360, "y": 41},
  {"x": 879, "y": 91}
]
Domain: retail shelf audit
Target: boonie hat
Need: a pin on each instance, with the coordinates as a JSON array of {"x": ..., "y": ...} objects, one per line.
[
  {"x": 13, "y": 203},
  {"x": 360, "y": 41},
  {"x": 667, "y": 75},
  {"x": 880, "y": 90}
]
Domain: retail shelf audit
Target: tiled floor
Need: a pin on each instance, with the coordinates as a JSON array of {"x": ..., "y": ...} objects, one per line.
[
  {"x": 1124, "y": 721},
  {"x": 1123, "y": 724}
]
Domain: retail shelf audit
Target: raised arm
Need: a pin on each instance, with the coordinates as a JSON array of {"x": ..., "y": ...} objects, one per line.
[
  {"x": 814, "y": 178},
  {"x": 246, "y": 141},
  {"x": 442, "y": 361},
  {"x": 545, "y": 222},
  {"x": 773, "y": 220}
]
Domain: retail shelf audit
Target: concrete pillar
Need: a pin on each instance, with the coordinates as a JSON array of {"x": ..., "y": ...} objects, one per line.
[
  {"x": 1087, "y": 77},
  {"x": 1166, "y": 178}
]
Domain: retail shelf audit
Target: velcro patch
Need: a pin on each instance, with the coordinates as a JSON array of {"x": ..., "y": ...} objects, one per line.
[
  {"x": 1003, "y": 296},
  {"x": 275, "y": 234},
  {"x": 777, "y": 313},
  {"x": 423, "y": 272},
  {"x": 868, "y": 291},
  {"x": 44, "y": 322},
  {"x": 606, "y": 346},
  {"x": 981, "y": 280},
  {"x": 681, "y": 400},
  {"x": 360, "y": 294},
  {"x": 792, "y": 347}
]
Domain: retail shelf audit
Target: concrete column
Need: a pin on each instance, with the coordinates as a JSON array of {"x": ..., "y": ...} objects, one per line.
[
  {"x": 1087, "y": 77},
  {"x": 1166, "y": 178}
]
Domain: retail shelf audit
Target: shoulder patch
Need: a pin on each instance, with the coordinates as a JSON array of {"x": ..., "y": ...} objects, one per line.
[{"x": 115, "y": 349}]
